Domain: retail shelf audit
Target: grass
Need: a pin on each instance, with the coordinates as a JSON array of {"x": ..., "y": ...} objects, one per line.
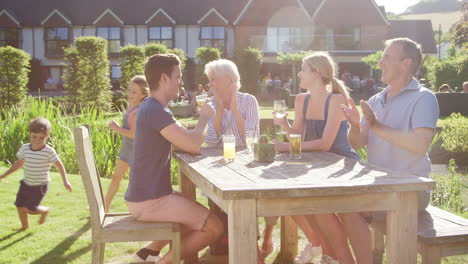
[{"x": 66, "y": 236}]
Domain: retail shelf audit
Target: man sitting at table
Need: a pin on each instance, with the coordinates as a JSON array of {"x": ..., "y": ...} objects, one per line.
[
  {"x": 399, "y": 122},
  {"x": 150, "y": 197}
]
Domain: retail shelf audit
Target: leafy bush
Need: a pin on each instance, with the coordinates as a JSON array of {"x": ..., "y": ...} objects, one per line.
[
  {"x": 250, "y": 62},
  {"x": 14, "y": 68},
  {"x": 132, "y": 59},
  {"x": 448, "y": 192},
  {"x": 93, "y": 73},
  {"x": 70, "y": 75},
  {"x": 454, "y": 133},
  {"x": 203, "y": 55},
  {"x": 455, "y": 137},
  {"x": 188, "y": 75},
  {"x": 452, "y": 71},
  {"x": 155, "y": 48}
]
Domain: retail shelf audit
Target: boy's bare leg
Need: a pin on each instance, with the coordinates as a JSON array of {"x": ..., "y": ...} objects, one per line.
[
  {"x": 23, "y": 216},
  {"x": 42, "y": 210},
  {"x": 193, "y": 241}
]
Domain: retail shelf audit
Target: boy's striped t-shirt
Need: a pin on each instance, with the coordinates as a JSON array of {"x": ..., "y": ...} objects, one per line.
[{"x": 36, "y": 164}]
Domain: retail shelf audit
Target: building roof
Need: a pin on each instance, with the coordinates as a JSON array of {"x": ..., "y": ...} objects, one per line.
[
  {"x": 355, "y": 12},
  {"x": 417, "y": 30},
  {"x": 132, "y": 12}
]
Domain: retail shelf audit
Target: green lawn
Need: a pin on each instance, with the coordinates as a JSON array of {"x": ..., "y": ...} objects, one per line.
[{"x": 66, "y": 236}]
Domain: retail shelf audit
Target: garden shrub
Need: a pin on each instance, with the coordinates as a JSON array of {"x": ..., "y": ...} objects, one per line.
[
  {"x": 250, "y": 63},
  {"x": 455, "y": 138},
  {"x": 203, "y": 55},
  {"x": 155, "y": 48},
  {"x": 132, "y": 60},
  {"x": 14, "y": 68}
]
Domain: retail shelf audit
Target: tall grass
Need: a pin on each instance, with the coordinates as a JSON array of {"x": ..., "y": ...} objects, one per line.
[{"x": 14, "y": 132}]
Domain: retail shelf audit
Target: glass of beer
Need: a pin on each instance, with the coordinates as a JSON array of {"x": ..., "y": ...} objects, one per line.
[
  {"x": 201, "y": 100},
  {"x": 295, "y": 146},
  {"x": 229, "y": 147}
]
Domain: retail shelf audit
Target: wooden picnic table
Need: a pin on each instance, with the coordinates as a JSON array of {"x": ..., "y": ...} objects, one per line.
[{"x": 319, "y": 182}]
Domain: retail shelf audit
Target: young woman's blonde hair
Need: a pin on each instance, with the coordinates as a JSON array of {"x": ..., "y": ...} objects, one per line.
[
  {"x": 322, "y": 63},
  {"x": 141, "y": 82},
  {"x": 223, "y": 67}
]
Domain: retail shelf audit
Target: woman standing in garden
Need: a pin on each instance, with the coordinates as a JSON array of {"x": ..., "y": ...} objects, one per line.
[{"x": 137, "y": 90}]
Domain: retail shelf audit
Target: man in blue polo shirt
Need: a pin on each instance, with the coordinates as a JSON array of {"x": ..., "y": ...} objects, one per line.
[
  {"x": 399, "y": 122},
  {"x": 149, "y": 196}
]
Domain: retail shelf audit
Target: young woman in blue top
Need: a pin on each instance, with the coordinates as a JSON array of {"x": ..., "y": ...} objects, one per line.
[
  {"x": 319, "y": 118},
  {"x": 137, "y": 91}
]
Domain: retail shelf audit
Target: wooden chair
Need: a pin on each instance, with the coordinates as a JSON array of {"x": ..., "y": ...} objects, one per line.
[{"x": 115, "y": 227}]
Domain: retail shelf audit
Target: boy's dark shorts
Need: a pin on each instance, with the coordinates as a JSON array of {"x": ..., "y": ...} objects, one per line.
[{"x": 30, "y": 196}]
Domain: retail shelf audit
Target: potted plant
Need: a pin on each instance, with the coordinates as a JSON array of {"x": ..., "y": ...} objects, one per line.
[{"x": 263, "y": 150}]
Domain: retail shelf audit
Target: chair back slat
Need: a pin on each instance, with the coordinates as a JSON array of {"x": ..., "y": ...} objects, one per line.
[{"x": 92, "y": 184}]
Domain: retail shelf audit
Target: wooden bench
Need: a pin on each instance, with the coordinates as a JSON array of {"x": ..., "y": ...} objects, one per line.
[
  {"x": 115, "y": 227},
  {"x": 440, "y": 234}
]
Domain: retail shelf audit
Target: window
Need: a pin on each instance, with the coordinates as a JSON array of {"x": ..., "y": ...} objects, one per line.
[
  {"x": 283, "y": 39},
  {"x": 161, "y": 35},
  {"x": 9, "y": 37},
  {"x": 112, "y": 34},
  {"x": 213, "y": 37},
  {"x": 56, "y": 39},
  {"x": 347, "y": 37},
  {"x": 116, "y": 72}
]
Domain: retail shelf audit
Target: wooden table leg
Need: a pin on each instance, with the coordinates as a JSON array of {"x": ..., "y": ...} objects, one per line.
[
  {"x": 188, "y": 189},
  {"x": 289, "y": 239},
  {"x": 402, "y": 225},
  {"x": 242, "y": 221}
]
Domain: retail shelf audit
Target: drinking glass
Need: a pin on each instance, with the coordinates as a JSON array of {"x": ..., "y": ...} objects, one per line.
[
  {"x": 229, "y": 147},
  {"x": 200, "y": 100},
  {"x": 279, "y": 107},
  {"x": 251, "y": 137},
  {"x": 295, "y": 146}
]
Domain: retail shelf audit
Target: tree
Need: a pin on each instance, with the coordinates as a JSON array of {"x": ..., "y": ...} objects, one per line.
[
  {"x": 295, "y": 60},
  {"x": 250, "y": 62},
  {"x": 459, "y": 30},
  {"x": 93, "y": 73},
  {"x": 203, "y": 55},
  {"x": 132, "y": 59},
  {"x": 373, "y": 60},
  {"x": 14, "y": 68}
]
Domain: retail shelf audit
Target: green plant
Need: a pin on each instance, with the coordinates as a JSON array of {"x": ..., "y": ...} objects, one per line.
[
  {"x": 155, "y": 48},
  {"x": 203, "y": 55},
  {"x": 455, "y": 137},
  {"x": 93, "y": 73},
  {"x": 448, "y": 192},
  {"x": 14, "y": 68},
  {"x": 373, "y": 60},
  {"x": 250, "y": 62},
  {"x": 132, "y": 59},
  {"x": 70, "y": 76}
]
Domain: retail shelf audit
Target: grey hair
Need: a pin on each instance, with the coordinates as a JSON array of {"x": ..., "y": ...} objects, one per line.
[
  {"x": 224, "y": 67},
  {"x": 411, "y": 50}
]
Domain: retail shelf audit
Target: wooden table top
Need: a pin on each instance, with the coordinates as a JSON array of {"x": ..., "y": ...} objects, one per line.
[{"x": 315, "y": 174}]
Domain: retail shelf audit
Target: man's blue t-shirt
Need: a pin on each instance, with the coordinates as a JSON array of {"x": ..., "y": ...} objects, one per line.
[{"x": 150, "y": 171}]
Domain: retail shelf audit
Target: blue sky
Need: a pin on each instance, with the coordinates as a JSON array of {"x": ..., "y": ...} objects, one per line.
[{"x": 396, "y": 6}]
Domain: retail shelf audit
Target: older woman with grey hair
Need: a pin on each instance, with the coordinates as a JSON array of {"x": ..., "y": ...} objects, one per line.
[{"x": 235, "y": 112}]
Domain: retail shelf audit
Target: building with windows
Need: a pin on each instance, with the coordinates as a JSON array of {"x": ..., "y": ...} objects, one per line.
[{"x": 348, "y": 30}]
